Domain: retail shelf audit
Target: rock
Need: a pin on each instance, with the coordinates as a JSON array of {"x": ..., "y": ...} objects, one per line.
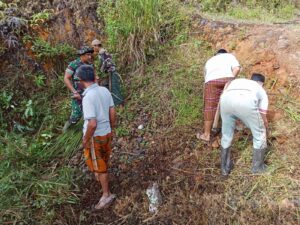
[
  {"x": 283, "y": 43},
  {"x": 154, "y": 197}
]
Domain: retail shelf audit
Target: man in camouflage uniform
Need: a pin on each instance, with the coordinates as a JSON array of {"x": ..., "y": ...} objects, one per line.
[
  {"x": 108, "y": 74},
  {"x": 73, "y": 84}
]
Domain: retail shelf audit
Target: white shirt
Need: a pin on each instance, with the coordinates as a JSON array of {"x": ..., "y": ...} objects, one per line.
[
  {"x": 255, "y": 90},
  {"x": 220, "y": 66},
  {"x": 95, "y": 105}
]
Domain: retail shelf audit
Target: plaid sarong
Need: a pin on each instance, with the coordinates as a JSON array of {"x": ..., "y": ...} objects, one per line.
[
  {"x": 102, "y": 148},
  {"x": 212, "y": 92}
]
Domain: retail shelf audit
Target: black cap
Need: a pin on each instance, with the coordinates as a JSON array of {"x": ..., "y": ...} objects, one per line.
[
  {"x": 258, "y": 77},
  {"x": 84, "y": 50}
]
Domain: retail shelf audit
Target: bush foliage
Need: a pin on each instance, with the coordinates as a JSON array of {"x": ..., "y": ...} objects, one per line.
[{"x": 137, "y": 28}]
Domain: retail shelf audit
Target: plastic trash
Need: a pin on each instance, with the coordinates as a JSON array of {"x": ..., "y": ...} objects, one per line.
[{"x": 154, "y": 197}]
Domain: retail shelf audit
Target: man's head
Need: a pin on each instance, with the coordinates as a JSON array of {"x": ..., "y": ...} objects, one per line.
[
  {"x": 96, "y": 45},
  {"x": 258, "y": 78},
  {"x": 85, "y": 54},
  {"x": 221, "y": 51},
  {"x": 86, "y": 75}
]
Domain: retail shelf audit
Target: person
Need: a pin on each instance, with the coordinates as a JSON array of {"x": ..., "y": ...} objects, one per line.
[
  {"x": 108, "y": 74},
  {"x": 247, "y": 101},
  {"x": 71, "y": 80},
  {"x": 99, "y": 120},
  {"x": 219, "y": 69}
]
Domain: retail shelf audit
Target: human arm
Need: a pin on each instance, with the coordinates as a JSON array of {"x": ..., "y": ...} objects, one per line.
[
  {"x": 263, "y": 106},
  {"x": 235, "y": 65},
  {"x": 112, "y": 117},
  {"x": 236, "y": 70},
  {"x": 264, "y": 118},
  {"x": 91, "y": 127},
  {"x": 67, "y": 81}
]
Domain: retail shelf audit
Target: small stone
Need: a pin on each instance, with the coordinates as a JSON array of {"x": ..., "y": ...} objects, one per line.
[
  {"x": 141, "y": 126},
  {"x": 283, "y": 43}
]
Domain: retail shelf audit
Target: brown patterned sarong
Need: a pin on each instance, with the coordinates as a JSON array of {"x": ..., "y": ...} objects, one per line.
[
  {"x": 102, "y": 148},
  {"x": 212, "y": 92}
]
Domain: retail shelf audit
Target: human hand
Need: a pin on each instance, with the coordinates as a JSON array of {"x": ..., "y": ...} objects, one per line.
[
  {"x": 76, "y": 96},
  {"x": 86, "y": 144}
]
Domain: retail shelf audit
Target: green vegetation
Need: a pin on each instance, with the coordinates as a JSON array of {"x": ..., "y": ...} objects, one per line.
[
  {"x": 39, "y": 184},
  {"x": 137, "y": 29},
  {"x": 263, "y": 11}
]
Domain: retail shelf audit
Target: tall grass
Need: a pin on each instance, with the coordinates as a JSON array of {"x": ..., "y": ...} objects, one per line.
[{"x": 136, "y": 29}]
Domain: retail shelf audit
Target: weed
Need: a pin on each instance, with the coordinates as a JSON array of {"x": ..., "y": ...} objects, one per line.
[
  {"x": 41, "y": 17},
  {"x": 136, "y": 29}
]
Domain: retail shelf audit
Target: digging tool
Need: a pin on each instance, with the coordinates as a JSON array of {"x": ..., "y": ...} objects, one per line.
[{"x": 215, "y": 129}]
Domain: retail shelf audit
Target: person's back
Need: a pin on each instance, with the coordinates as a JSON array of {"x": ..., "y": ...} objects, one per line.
[
  {"x": 220, "y": 66},
  {"x": 247, "y": 101},
  {"x": 250, "y": 90},
  {"x": 100, "y": 99}
]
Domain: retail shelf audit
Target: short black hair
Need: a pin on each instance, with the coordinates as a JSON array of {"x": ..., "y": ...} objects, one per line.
[
  {"x": 258, "y": 77},
  {"x": 222, "y": 50},
  {"x": 86, "y": 73}
]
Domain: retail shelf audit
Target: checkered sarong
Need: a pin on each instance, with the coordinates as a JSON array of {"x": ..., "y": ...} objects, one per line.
[{"x": 212, "y": 92}]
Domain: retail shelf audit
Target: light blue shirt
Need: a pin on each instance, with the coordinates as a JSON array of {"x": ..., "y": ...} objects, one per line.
[{"x": 95, "y": 104}]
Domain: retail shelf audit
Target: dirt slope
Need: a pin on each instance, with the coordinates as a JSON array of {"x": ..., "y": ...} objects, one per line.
[{"x": 186, "y": 170}]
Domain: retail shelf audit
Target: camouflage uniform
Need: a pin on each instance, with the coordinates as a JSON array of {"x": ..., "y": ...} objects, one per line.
[
  {"x": 76, "y": 104},
  {"x": 110, "y": 77}
]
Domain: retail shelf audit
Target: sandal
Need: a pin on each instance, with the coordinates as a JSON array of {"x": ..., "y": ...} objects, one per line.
[
  {"x": 202, "y": 138},
  {"x": 105, "y": 202}
]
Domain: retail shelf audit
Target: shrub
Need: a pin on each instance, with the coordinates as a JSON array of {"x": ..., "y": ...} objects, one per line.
[{"x": 136, "y": 28}]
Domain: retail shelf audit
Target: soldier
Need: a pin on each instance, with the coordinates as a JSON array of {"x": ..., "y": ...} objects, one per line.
[
  {"x": 108, "y": 75},
  {"x": 72, "y": 82}
]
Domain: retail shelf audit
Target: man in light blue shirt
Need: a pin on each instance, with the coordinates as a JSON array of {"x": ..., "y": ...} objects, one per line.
[{"x": 99, "y": 120}]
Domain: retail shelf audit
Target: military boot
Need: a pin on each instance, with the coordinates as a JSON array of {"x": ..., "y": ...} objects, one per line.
[
  {"x": 226, "y": 163},
  {"x": 258, "y": 165}
]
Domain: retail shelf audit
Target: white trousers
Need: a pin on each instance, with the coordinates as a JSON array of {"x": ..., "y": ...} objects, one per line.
[{"x": 241, "y": 104}]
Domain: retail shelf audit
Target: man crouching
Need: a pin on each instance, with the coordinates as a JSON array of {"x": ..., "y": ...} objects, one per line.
[
  {"x": 99, "y": 120},
  {"x": 247, "y": 101}
]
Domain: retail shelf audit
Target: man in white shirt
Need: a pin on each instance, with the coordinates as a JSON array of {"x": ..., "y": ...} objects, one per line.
[
  {"x": 247, "y": 101},
  {"x": 219, "y": 69},
  {"x": 99, "y": 120}
]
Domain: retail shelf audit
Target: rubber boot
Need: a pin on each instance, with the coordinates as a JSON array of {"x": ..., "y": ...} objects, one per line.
[
  {"x": 258, "y": 165},
  {"x": 226, "y": 163}
]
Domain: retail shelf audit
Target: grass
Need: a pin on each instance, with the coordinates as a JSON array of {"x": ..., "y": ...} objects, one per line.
[
  {"x": 40, "y": 185},
  {"x": 255, "y": 13},
  {"x": 137, "y": 29}
]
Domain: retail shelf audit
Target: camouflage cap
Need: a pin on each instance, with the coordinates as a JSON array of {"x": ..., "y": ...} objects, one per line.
[{"x": 84, "y": 50}]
